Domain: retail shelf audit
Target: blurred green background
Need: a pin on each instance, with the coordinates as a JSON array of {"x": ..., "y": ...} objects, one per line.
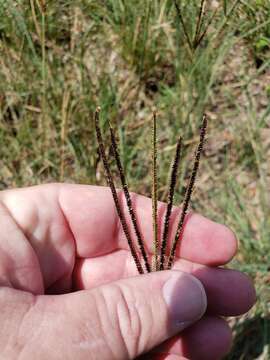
[{"x": 60, "y": 59}]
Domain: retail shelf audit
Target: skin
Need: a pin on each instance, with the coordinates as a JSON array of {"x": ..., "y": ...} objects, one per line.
[{"x": 62, "y": 246}]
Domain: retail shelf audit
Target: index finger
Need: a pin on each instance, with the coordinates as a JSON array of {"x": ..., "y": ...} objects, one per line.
[{"x": 93, "y": 220}]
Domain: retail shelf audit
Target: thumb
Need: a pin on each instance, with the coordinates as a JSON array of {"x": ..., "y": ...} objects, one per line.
[
  {"x": 131, "y": 316},
  {"x": 120, "y": 320}
]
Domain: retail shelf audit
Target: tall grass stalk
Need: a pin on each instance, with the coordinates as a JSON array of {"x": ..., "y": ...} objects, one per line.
[
  {"x": 114, "y": 193},
  {"x": 154, "y": 193},
  {"x": 188, "y": 194},
  {"x": 173, "y": 180},
  {"x": 63, "y": 134},
  {"x": 128, "y": 200},
  {"x": 199, "y": 23},
  {"x": 35, "y": 20}
]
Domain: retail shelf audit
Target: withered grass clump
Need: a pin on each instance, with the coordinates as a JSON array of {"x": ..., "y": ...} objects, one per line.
[{"x": 159, "y": 249}]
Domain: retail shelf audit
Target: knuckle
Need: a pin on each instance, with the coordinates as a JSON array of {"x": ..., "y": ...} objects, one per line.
[{"x": 131, "y": 318}]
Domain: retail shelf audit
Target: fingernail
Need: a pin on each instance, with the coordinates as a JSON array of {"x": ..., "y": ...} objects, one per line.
[{"x": 185, "y": 298}]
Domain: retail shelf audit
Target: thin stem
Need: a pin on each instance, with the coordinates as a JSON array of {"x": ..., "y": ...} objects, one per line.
[
  {"x": 63, "y": 132},
  {"x": 128, "y": 199},
  {"x": 114, "y": 193},
  {"x": 180, "y": 16},
  {"x": 34, "y": 16},
  {"x": 44, "y": 75},
  {"x": 42, "y": 5},
  {"x": 206, "y": 28},
  {"x": 154, "y": 192},
  {"x": 199, "y": 23},
  {"x": 227, "y": 16},
  {"x": 145, "y": 36},
  {"x": 188, "y": 193},
  {"x": 173, "y": 180},
  {"x": 225, "y": 7}
]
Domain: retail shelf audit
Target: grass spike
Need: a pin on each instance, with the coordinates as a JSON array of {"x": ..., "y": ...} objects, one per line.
[
  {"x": 180, "y": 16},
  {"x": 199, "y": 24},
  {"x": 188, "y": 193},
  {"x": 128, "y": 199},
  {"x": 200, "y": 37},
  {"x": 114, "y": 193},
  {"x": 173, "y": 180},
  {"x": 154, "y": 192}
]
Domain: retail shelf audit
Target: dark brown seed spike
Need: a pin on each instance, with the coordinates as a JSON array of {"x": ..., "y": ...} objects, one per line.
[
  {"x": 154, "y": 192},
  {"x": 173, "y": 180},
  {"x": 114, "y": 193},
  {"x": 128, "y": 199},
  {"x": 188, "y": 193}
]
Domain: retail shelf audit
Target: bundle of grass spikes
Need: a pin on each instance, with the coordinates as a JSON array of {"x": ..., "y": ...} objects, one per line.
[{"x": 160, "y": 260}]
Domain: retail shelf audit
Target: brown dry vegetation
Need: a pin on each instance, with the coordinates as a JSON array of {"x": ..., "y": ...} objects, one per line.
[{"x": 130, "y": 57}]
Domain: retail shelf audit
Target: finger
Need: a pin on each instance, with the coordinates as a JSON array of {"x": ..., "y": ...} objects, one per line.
[
  {"x": 19, "y": 265},
  {"x": 229, "y": 292},
  {"x": 91, "y": 215},
  {"x": 37, "y": 216},
  {"x": 134, "y": 325},
  {"x": 162, "y": 356},
  {"x": 56, "y": 219},
  {"x": 219, "y": 338},
  {"x": 113, "y": 321},
  {"x": 210, "y": 338}
]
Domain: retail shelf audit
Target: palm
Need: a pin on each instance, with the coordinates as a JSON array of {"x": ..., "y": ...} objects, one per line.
[{"x": 79, "y": 243}]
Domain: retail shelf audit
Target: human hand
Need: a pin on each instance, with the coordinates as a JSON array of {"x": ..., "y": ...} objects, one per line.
[{"x": 59, "y": 239}]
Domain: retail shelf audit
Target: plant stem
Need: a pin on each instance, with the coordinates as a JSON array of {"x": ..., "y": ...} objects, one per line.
[
  {"x": 44, "y": 75},
  {"x": 180, "y": 227},
  {"x": 180, "y": 16},
  {"x": 114, "y": 193},
  {"x": 200, "y": 38},
  {"x": 154, "y": 192},
  {"x": 198, "y": 25},
  {"x": 173, "y": 180},
  {"x": 34, "y": 16},
  {"x": 128, "y": 199},
  {"x": 63, "y": 133}
]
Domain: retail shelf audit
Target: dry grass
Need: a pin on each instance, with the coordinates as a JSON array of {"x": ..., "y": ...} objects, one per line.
[{"x": 131, "y": 57}]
